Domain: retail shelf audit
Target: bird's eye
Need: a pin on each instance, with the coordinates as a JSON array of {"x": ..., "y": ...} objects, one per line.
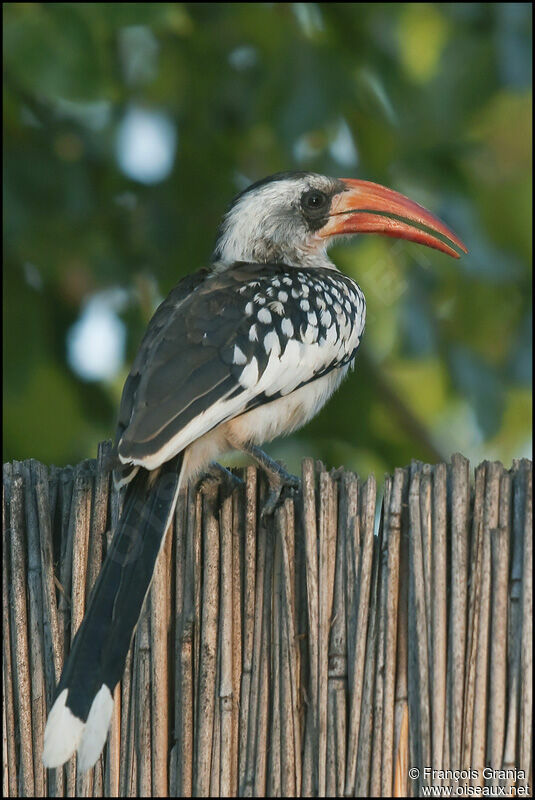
[{"x": 314, "y": 201}]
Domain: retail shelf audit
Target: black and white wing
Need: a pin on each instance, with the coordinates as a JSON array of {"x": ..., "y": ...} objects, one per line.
[{"x": 234, "y": 341}]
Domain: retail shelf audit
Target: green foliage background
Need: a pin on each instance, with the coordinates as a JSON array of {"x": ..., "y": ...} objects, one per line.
[{"x": 431, "y": 99}]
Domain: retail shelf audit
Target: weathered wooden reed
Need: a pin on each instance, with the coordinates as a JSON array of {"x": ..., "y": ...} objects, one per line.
[{"x": 306, "y": 654}]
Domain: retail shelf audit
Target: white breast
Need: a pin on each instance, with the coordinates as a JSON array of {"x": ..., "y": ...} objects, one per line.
[
  {"x": 262, "y": 424},
  {"x": 284, "y": 415}
]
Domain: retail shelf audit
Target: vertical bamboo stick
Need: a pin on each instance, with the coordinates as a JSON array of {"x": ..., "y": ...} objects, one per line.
[
  {"x": 376, "y": 770},
  {"x": 526, "y": 679},
  {"x": 185, "y": 525},
  {"x": 53, "y": 654},
  {"x": 288, "y": 665},
  {"x": 99, "y": 509},
  {"x": 82, "y": 547},
  {"x": 327, "y": 545},
  {"x": 19, "y": 629},
  {"x": 335, "y": 686},
  {"x": 480, "y": 700},
  {"x": 338, "y": 650},
  {"x": 490, "y": 520},
  {"x": 185, "y": 742},
  {"x": 142, "y": 704},
  {"x": 264, "y": 698},
  {"x": 498, "y": 646},
  {"x": 349, "y": 530},
  {"x": 348, "y": 560},
  {"x": 518, "y": 476},
  {"x": 80, "y": 520},
  {"x": 65, "y": 490},
  {"x": 226, "y": 685},
  {"x": 505, "y": 522},
  {"x": 215, "y": 766},
  {"x": 418, "y": 628},
  {"x": 98, "y": 779},
  {"x": 65, "y": 480},
  {"x": 249, "y": 590},
  {"x": 291, "y": 734},
  {"x": 123, "y": 713},
  {"x": 312, "y": 584},
  {"x": 121, "y": 770},
  {"x": 403, "y": 742},
  {"x": 8, "y": 661},
  {"x": 474, "y": 605},
  {"x": 273, "y": 785},
  {"x": 459, "y": 571},
  {"x": 175, "y": 624},
  {"x": 208, "y": 647},
  {"x": 394, "y": 535},
  {"x": 159, "y": 600},
  {"x": 237, "y": 533},
  {"x": 53, "y": 646},
  {"x": 426, "y": 522},
  {"x": 197, "y": 501},
  {"x": 368, "y": 709},
  {"x": 5, "y": 773},
  {"x": 53, "y": 501},
  {"x": 368, "y": 495},
  {"x": 257, "y": 608},
  {"x": 128, "y": 777},
  {"x": 401, "y": 763},
  {"x": 520, "y": 472},
  {"x": 35, "y": 623},
  {"x": 112, "y": 770}
]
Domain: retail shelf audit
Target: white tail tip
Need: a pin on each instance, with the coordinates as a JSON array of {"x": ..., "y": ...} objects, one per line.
[
  {"x": 96, "y": 729},
  {"x": 65, "y": 733},
  {"x": 62, "y": 733}
]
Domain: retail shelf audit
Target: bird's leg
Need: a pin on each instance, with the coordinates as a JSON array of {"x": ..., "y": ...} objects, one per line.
[
  {"x": 218, "y": 473},
  {"x": 280, "y": 481}
]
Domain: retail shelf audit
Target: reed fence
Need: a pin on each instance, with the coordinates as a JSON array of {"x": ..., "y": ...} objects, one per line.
[{"x": 342, "y": 647}]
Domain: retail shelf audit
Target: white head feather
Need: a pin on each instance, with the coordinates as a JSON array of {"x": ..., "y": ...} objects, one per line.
[{"x": 266, "y": 224}]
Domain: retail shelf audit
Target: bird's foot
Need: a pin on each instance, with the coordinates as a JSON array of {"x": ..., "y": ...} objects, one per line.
[
  {"x": 281, "y": 483},
  {"x": 286, "y": 485},
  {"x": 216, "y": 473}
]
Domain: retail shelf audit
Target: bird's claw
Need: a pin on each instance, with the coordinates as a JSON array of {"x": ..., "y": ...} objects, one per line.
[
  {"x": 286, "y": 487},
  {"x": 227, "y": 481}
]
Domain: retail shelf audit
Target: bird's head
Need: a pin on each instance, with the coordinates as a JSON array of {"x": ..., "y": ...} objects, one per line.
[{"x": 292, "y": 217}]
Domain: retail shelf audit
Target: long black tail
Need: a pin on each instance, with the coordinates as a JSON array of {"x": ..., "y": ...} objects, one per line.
[{"x": 80, "y": 716}]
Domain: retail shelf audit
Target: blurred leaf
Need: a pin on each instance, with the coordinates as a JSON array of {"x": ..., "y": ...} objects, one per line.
[
  {"x": 422, "y": 385},
  {"x": 504, "y": 127},
  {"x": 417, "y": 325},
  {"x": 514, "y": 435},
  {"x": 520, "y": 359},
  {"x": 481, "y": 386},
  {"x": 423, "y": 33},
  {"x": 373, "y": 96},
  {"x": 40, "y": 38},
  {"x": 514, "y": 42},
  {"x": 59, "y": 427}
]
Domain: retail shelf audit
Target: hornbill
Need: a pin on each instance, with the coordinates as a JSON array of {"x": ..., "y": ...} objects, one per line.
[{"x": 239, "y": 353}]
